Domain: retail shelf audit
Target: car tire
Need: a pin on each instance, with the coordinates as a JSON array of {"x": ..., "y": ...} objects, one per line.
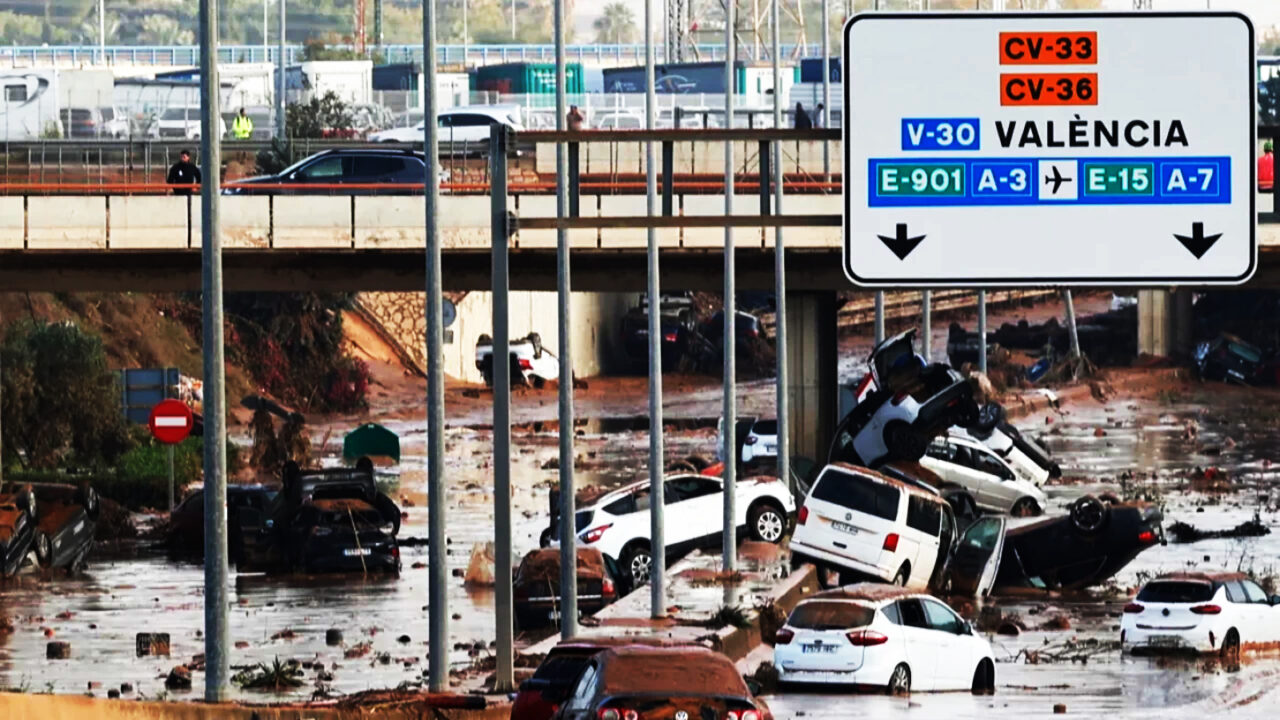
[
  {"x": 87, "y": 496},
  {"x": 1231, "y": 646},
  {"x": 989, "y": 416},
  {"x": 536, "y": 341},
  {"x": 1026, "y": 507},
  {"x": 484, "y": 340},
  {"x": 27, "y": 501},
  {"x": 539, "y": 382},
  {"x": 984, "y": 678},
  {"x": 767, "y": 523},
  {"x": 903, "y": 442},
  {"x": 900, "y": 681},
  {"x": 44, "y": 550},
  {"x": 903, "y": 576},
  {"x": 682, "y": 466},
  {"x": 1088, "y": 515},
  {"x": 638, "y": 561},
  {"x": 544, "y": 540},
  {"x": 698, "y": 462}
]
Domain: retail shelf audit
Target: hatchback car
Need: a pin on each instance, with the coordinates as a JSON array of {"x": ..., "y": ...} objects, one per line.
[
  {"x": 633, "y": 682},
  {"x": 990, "y": 480},
  {"x": 884, "y": 638},
  {"x": 1203, "y": 612},
  {"x": 618, "y": 523},
  {"x": 905, "y": 403}
]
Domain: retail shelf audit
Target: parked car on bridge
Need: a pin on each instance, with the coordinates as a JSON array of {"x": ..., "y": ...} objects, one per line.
[
  {"x": 1203, "y": 612},
  {"x": 403, "y": 172},
  {"x": 458, "y": 127},
  {"x": 884, "y": 638},
  {"x": 618, "y": 523}
]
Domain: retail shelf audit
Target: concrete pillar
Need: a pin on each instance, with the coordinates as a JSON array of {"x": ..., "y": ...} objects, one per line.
[
  {"x": 811, "y": 358},
  {"x": 1165, "y": 324}
]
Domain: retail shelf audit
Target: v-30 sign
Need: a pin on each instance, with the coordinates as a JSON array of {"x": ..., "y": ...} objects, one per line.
[{"x": 1057, "y": 148}]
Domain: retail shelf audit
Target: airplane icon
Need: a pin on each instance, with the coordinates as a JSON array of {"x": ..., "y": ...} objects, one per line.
[{"x": 1056, "y": 179}]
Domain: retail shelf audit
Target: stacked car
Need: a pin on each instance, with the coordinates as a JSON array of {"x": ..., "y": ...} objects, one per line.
[{"x": 56, "y": 521}]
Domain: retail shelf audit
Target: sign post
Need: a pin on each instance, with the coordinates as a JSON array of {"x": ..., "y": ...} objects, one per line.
[
  {"x": 171, "y": 422},
  {"x": 1052, "y": 149}
]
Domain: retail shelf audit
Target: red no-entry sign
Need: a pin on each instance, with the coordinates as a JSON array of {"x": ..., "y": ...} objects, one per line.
[{"x": 171, "y": 421}]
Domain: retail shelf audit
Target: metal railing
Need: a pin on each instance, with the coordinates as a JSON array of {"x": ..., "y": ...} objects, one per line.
[{"x": 30, "y": 55}]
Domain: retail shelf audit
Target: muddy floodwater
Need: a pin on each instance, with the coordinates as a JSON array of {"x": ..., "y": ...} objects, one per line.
[{"x": 1155, "y": 448}]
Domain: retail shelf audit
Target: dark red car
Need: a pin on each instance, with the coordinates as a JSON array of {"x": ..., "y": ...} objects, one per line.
[{"x": 540, "y": 696}]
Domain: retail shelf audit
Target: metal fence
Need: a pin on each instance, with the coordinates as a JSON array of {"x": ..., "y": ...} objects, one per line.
[{"x": 183, "y": 55}]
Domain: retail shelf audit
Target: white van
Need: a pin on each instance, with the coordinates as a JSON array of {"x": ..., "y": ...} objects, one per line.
[{"x": 856, "y": 521}]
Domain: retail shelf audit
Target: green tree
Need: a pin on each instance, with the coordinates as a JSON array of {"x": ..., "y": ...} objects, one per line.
[
  {"x": 318, "y": 116},
  {"x": 61, "y": 403},
  {"x": 616, "y": 25},
  {"x": 164, "y": 30}
]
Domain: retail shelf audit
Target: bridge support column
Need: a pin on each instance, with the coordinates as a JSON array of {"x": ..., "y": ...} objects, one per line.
[
  {"x": 811, "y": 370},
  {"x": 1164, "y": 322}
]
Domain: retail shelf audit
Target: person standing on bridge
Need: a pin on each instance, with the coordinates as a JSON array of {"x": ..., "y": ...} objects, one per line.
[
  {"x": 802, "y": 119},
  {"x": 183, "y": 172},
  {"x": 574, "y": 119},
  {"x": 242, "y": 126}
]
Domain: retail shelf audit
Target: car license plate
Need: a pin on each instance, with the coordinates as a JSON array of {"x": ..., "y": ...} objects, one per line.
[
  {"x": 844, "y": 527},
  {"x": 1165, "y": 641},
  {"x": 356, "y": 552},
  {"x": 815, "y": 649},
  {"x": 553, "y": 615},
  {"x": 770, "y": 449}
]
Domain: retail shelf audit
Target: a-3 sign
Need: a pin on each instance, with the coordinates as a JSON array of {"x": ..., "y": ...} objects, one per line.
[{"x": 1062, "y": 148}]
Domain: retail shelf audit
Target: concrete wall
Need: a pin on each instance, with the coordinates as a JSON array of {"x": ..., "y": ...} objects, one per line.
[
  {"x": 406, "y": 706},
  {"x": 596, "y": 341}
]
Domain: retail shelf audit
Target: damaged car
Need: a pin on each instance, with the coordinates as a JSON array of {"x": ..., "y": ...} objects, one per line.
[
  {"x": 531, "y": 364},
  {"x": 990, "y": 480},
  {"x": 1228, "y": 358},
  {"x": 536, "y": 586},
  {"x": 56, "y": 520},
  {"x": 905, "y": 403},
  {"x": 333, "y": 520},
  {"x": 1201, "y": 612}
]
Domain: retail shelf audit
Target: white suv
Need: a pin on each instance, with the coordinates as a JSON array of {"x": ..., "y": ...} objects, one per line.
[
  {"x": 991, "y": 482},
  {"x": 1213, "y": 612},
  {"x": 618, "y": 523}
]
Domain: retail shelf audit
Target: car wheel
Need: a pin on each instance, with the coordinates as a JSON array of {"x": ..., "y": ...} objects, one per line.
[
  {"x": 698, "y": 463},
  {"x": 989, "y": 416},
  {"x": 27, "y": 501},
  {"x": 539, "y": 382},
  {"x": 88, "y": 497},
  {"x": 903, "y": 576},
  {"x": 984, "y": 678},
  {"x": 484, "y": 340},
  {"x": 767, "y": 523},
  {"x": 900, "y": 680},
  {"x": 1231, "y": 646},
  {"x": 904, "y": 443},
  {"x": 682, "y": 466},
  {"x": 1026, "y": 507},
  {"x": 44, "y": 550},
  {"x": 544, "y": 540},
  {"x": 639, "y": 563},
  {"x": 1088, "y": 514},
  {"x": 536, "y": 341}
]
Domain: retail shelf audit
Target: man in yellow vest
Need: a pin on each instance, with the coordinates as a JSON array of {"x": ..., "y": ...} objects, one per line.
[{"x": 242, "y": 126}]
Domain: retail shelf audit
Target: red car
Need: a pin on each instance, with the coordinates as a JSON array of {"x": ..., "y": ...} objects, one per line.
[{"x": 540, "y": 696}]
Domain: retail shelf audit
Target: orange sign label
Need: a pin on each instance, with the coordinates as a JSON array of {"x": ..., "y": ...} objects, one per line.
[
  {"x": 1049, "y": 89},
  {"x": 1039, "y": 48}
]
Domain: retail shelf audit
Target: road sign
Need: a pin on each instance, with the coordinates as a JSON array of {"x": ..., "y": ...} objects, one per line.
[
  {"x": 1057, "y": 148},
  {"x": 171, "y": 421}
]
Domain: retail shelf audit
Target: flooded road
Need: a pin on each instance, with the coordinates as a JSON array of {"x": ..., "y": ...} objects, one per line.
[{"x": 1144, "y": 450}]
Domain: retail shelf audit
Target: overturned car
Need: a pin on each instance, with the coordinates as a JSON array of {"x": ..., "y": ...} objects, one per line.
[
  {"x": 55, "y": 520},
  {"x": 323, "y": 521}
]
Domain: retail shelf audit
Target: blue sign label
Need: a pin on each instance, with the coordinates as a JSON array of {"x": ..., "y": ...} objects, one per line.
[
  {"x": 1002, "y": 179},
  {"x": 941, "y": 134}
]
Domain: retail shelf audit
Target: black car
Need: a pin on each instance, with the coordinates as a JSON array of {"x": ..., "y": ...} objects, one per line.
[
  {"x": 324, "y": 521},
  {"x": 185, "y": 534},
  {"x": 1227, "y": 358},
  {"x": 747, "y": 328},
  {"x": 675, "y": 326},
  {"x": 536, "y": 586},
  {"x": 65, "y": 524},
  {"x": 359, "y": 167},
  {"x": 1085, "y": 547}
]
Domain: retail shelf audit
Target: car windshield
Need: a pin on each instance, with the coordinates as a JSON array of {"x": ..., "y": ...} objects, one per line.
[
  {"x": 1176, "y": 591},
  {"x": 180, "y": 113},
  {"x": 766, "y": 427},
  {"x": 830, "y": 615},
  {"x": 562, "y": 669},
  {"x": 1248, "y": 353}
]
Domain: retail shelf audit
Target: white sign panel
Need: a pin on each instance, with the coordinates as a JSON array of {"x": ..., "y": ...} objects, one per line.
[{"x": 1060, "y": 148}]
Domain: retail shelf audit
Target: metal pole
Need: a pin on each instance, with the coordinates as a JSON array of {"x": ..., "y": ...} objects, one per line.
[
  {"x": 879, "y": 316},
  {"x": 438, "y": 559},
  {"x": 568, "y": 543},
  {"x": 169, "y": 453},
  {"x": 513, "y": 19},
  {"x": 216, "y": 636},
  {"x": 504, "y": 681},
  {"x": 926, "y": 324},
  {"x": 982, "y": 330},
  {"x": 657, "y": 502},
  {"x": 266, "y": 54},
  {"x": 102, "y": 30},
  {"x": 1071, "y": 323},
  {"x": 466, "y": 34},
  {"x": 783, "y": 403},
  {"x": 826, "y": 87},
  {"x": 282, "y": 65},
  {"x": 729, "y": 545}
]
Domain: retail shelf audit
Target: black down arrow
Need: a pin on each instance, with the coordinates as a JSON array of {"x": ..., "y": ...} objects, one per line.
[
  {"x": 1198, "y": 243},
  {"x": 901, "y": 245}
]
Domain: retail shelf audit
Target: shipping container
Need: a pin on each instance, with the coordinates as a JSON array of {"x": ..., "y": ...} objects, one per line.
[{"x": 526, "y": 79}]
